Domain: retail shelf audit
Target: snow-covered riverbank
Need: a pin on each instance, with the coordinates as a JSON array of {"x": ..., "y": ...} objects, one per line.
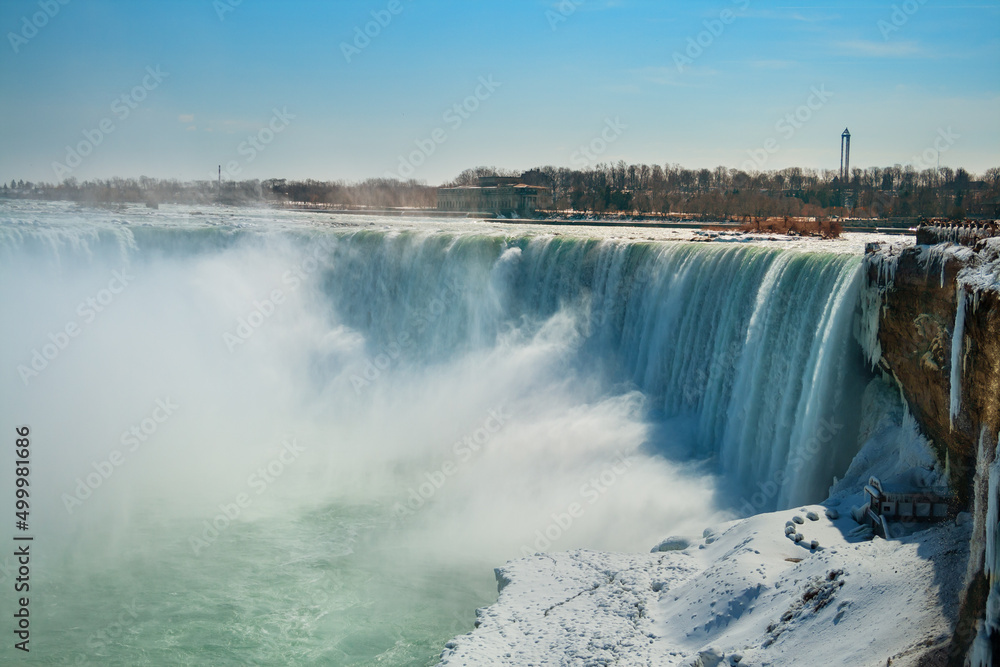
[{"x": 746, "y": 594}]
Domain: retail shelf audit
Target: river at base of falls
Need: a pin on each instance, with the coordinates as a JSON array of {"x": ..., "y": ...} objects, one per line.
[{"x": 328, "y": 587}]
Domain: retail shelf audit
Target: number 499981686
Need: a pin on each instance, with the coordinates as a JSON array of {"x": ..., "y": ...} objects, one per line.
[{"x": 22, "y": 470}]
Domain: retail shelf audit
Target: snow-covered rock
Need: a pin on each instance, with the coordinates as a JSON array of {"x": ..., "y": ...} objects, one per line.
[
  {"x": 710, "y": 657},
  {"x": 672, "y": 543}
]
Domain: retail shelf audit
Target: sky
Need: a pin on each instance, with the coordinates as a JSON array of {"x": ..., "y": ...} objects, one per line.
[{"x": 422, "y": 89}]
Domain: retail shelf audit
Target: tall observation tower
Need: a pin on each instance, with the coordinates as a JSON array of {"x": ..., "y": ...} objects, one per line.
[{"x": 845, "y": 156}]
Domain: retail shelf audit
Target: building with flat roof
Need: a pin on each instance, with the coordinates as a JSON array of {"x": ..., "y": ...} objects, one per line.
[{"x": 496, "y": 195}]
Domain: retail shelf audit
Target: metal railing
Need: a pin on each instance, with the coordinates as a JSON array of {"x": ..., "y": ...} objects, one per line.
[{"x": 966, "y": 233}]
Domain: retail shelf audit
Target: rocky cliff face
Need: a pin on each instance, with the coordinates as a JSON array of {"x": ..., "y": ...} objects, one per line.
[
  {"x": 919, "y": 315},
  {"x": 932, "y": 316}
]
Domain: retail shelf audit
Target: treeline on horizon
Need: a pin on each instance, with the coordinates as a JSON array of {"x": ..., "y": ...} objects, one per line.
[{"x": 619, "y": 188}]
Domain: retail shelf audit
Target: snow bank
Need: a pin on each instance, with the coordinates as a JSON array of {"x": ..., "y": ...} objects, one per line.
[
  {"x": 984, "y": 273},
  {"x": 753, "y": 592}
]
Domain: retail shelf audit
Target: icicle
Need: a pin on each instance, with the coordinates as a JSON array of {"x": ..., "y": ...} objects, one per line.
[
  {"x": 992, "y": 566},
  {"x": 981, "y": 654},
  {"x": 957, "y": 338},
  {"x": 866, "y": 327}
]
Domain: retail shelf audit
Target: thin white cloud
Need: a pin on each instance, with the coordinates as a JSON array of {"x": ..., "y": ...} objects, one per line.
[
  {"x": 186, "y": 118},
  {"x": 880, "y": 49}
]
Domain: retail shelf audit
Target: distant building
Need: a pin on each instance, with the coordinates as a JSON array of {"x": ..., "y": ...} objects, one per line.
[
  {"x": 498, "y": 195},
  {"x": 846, "y": 196},
  {"x": 845, "y": 156}
]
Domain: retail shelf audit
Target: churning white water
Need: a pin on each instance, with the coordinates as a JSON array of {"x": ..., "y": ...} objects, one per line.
[{"x": 268, "y": 438}]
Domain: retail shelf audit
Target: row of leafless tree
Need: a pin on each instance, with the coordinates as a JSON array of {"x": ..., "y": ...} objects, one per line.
[
  {"x": 718, "y": 193},
  {"x": 874, "y": 192},
  {"x": 371, "y": 193}
]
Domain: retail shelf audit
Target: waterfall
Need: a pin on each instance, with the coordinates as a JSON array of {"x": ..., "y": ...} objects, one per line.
[
  {"x": 751, "y": 346},
  {"x": 744, "y": 354}
]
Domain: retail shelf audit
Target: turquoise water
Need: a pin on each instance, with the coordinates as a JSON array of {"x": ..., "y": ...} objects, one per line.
[{"x": 327, "y": 587}]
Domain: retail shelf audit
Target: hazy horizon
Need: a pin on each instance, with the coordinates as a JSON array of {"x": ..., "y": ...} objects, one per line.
[{"x": 299, "y": 90}]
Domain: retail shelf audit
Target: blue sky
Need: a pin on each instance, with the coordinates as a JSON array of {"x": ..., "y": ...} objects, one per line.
[{"x": 901, "y": 75}]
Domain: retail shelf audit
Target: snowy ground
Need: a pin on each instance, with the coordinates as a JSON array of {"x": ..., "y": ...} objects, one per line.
[
  {"x": 746, "y": 594},
  {"x": 138, "y": 215},
  {"x": 849, "y": 242}
]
